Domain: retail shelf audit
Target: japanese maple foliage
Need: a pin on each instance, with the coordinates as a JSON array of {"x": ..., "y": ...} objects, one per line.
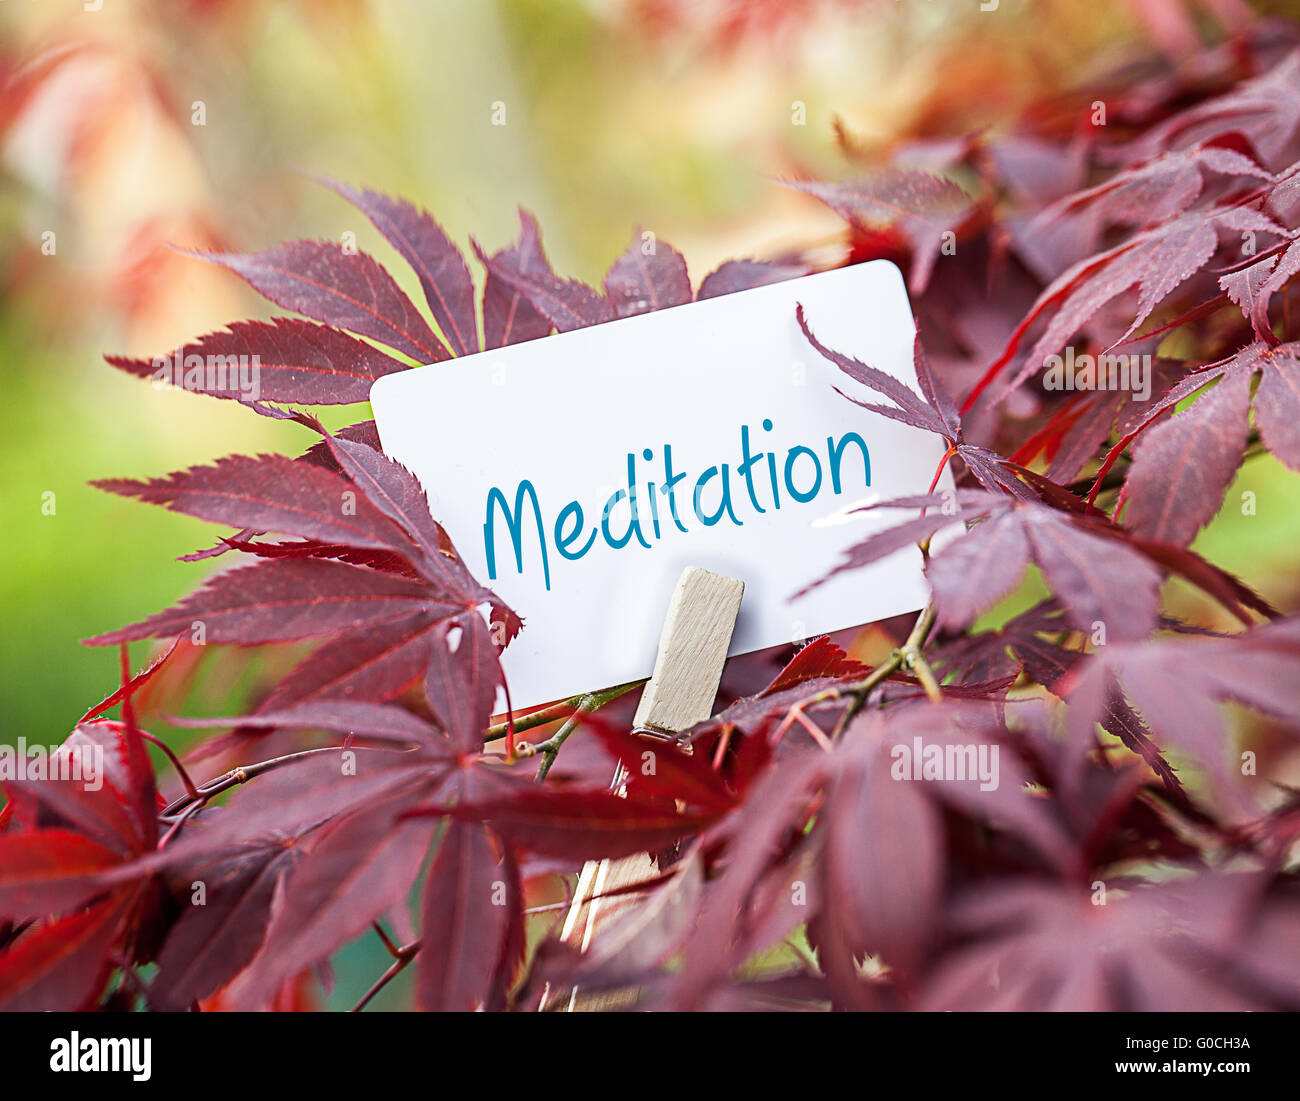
[{"x": 1124, "y": 860}]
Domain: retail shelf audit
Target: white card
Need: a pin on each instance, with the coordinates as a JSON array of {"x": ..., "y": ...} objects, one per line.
[{"x": 565, "y": 417}]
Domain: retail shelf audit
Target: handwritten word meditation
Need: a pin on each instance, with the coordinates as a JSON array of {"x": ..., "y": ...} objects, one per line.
[{"x": 659, "y": 498}]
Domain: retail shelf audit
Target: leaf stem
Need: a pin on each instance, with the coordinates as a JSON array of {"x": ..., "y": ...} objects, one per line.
[
  {"x": 190, "y": 789},
  {"x": 393, "y": 950},
  {"x": 938, "y": 473}
]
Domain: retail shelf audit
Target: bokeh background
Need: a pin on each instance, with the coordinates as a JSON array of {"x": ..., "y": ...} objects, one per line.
[{"x": 130, "y": 126}]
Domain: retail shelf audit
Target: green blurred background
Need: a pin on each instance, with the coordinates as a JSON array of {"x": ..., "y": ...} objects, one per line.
[{"x": 676, "y": 116}]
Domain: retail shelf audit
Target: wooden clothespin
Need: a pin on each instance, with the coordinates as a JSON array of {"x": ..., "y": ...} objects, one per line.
[{"x": 692, "y": 651}]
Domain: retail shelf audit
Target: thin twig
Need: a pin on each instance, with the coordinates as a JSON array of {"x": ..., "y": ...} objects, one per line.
[
  {"x": 244, "y": 773},
  {"x": 550, "y": 748},
  {"x": 917, "y": 663},
  {"x": 914, "y": 659},
  {"x": 181, "y": 819},
  {"x": 404, "y": 956},
  {"x": 562, "y": 710},
  {"x": 859, "y": 691}
]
